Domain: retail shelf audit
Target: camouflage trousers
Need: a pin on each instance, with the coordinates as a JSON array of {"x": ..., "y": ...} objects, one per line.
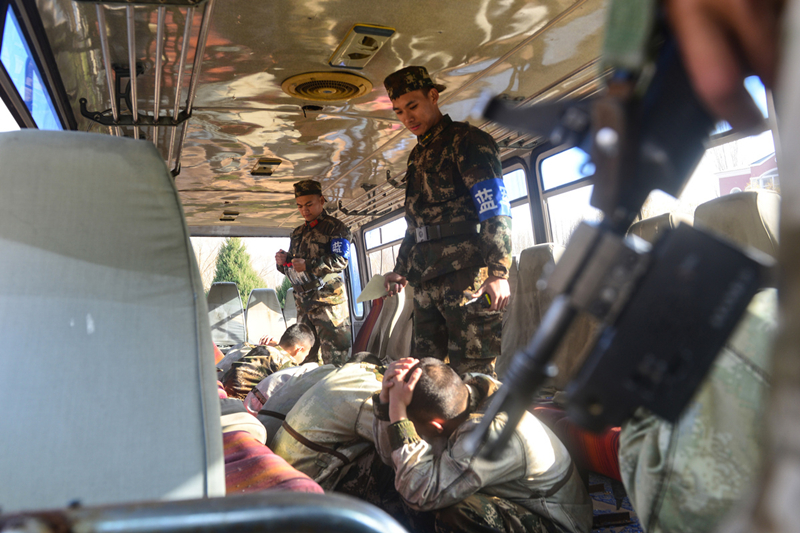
[
  {"x": 369, "y": 479},
  {"x": 444, "y": 327},
  {"x": 331, "y": 324}
]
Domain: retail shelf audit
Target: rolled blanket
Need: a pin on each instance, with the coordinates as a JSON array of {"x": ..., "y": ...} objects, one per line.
[{"x": 251, "y": 467}]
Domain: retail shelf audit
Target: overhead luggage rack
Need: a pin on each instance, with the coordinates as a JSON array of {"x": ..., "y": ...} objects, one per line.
[{"x": 119, "y": 92}]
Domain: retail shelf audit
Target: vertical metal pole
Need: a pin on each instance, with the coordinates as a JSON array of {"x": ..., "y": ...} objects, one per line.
[
  {"x": 187, "y": 34},
  {"x": 132, "y": 62},
  {"x": 101, "y": 22},
  {"x": 159, "y": 65},
  {"x": 200, "y": 50}
]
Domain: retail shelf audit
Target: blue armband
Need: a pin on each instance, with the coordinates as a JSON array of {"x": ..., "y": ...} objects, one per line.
[
  {"x": 340, "y": 247},
  {"x": 491, "y": 199}
]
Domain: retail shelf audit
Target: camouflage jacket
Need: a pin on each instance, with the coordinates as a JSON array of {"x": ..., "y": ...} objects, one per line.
[
  {"x": 322, "y": 244},
  {"x": 448, "y": 173},
  {"x": 687, "y": 476},
  {"x": 248, "y": 371},
  {"x": 336, "y": 414},
  {"x": 534, "y": 471}
]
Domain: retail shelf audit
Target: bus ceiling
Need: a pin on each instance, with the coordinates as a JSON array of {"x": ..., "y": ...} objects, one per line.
[{"x": 218, "y": 87}]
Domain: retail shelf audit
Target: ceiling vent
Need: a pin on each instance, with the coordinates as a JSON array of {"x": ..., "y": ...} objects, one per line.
[{"x": 326, "y": 86}]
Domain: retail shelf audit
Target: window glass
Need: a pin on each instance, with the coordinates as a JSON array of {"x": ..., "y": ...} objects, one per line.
[
  {"x": 21, "y": 67},
  {"x": 355, "y": 282},
  {"x": 567, "y": 210},
  {"x": 7, "y": 122},
  {"x": 382, "y": 261},
  {"x": 522, "y": 228},
  {"x": 386, "y": 233},
  {"x": 743, "y": 165},
  {"x": 565, "y": 167},
  {"x": 515, "y": 184}
]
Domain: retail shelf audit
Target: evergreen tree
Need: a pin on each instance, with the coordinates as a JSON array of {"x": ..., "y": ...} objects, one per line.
[
  {"x": 233, "y": 264},
  {"x": 282, "y": 290}
]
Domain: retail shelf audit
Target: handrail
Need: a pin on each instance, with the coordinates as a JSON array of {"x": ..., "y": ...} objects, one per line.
[{"x": 280, "y": 512}]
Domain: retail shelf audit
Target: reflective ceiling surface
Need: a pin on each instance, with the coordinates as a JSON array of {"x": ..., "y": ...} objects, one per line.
[{"x": 524, "y": 49}]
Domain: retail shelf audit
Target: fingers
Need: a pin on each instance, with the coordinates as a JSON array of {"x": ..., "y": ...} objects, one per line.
[
  {"x": 720, "y": 42},
  {"x": 413, "y": 379}
]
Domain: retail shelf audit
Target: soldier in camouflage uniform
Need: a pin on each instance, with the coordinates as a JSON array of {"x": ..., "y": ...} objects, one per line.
[
  {"x": 458, "y": 242},
  {"x": 320, "y": 249},
  {"x": 687, "y": 476},
  {"x": 423, "y": 417},
  {"x": 261, "y": 361}
]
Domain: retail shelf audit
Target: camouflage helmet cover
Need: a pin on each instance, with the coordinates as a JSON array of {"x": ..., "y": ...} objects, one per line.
[
  {"x": 305, "y": 187},
  {"x": 409, "y": 79}
]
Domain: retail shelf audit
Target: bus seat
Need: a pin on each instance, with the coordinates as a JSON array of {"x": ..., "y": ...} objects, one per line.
[
  {"x": 513, "y": 274},
  {"x": 115, "y": 399},
  {"x": 379, "y": 336},
  {"x": 290, "y": 308},
  {"x": 747, "y": 218},
  {"x": 367, "y": 327},
  {"x": 264, "y": 315},
  {"x": 225, "y": 314},
  {"x": 399, "y": 343},
  {"x": 651, "y": 228},
  {"x": 529, "y": 303}
]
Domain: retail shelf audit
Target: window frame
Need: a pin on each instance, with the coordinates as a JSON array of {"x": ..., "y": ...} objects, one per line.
[
  {"x": 537, "y": 157},
  {"x": 35, "y": 37},
  {"x": 382, "y": 221}
]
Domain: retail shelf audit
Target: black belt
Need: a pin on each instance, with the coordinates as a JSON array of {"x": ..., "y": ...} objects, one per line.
[{"x": 441, "y": 231}]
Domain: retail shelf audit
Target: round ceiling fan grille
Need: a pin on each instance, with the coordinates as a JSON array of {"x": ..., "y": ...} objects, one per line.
[{"x": 326, "y": 86}]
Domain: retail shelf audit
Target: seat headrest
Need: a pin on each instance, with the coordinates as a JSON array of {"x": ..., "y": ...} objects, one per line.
[
  {"x": 747, "y": 218},
  {"x": 650, "y": 229}
]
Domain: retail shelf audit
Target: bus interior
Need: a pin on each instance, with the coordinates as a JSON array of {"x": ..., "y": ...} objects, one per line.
[{"x": 241, "y": 100}]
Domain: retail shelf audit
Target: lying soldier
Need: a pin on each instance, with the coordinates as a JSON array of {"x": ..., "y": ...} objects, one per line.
[
  {"x": 247, "y": 372},
  {"x": 330, "y": 425},
  {"x": 423, "y": 415}
]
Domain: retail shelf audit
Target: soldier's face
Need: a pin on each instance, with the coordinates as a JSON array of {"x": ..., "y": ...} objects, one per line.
[
  {"x": 310, "y": 206},
  {"x": 418, "y": 110}
]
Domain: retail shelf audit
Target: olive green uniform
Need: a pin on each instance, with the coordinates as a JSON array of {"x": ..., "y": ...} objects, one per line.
[
  {"x": 324, "y": 309},
  {"x": 452, "y": 164}
]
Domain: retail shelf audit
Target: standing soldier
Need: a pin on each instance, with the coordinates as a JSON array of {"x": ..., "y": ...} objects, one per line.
[
  {"x": 318, "y": 253},
  {"x": 458, "y": 242}
]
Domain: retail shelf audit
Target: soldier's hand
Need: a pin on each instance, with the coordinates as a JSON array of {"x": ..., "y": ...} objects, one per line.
[
  {"x": 268, "y": 340},
  {"x": 280, "y": 257},
  {"x": 498, "y": 290},
  {"x": 396, "y": 368},
  {"x": 394, "y": 283},
  {"x": 402, "y": 392},
  {"x": 299, "y": 264},
  {"x": 723, "y": 41}
]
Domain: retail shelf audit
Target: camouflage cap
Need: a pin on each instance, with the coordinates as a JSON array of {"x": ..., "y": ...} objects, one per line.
[
  {"x": 409, "y": 79},
  {"x": 302, "y": 188}
]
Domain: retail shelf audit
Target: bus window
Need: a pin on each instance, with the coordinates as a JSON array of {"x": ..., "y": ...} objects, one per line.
[
  {"x": 7, "y": 121},
  {"x": 566, "y": 192},
  {"x": 383, "y": 243},
  {"x": 522, "y": 225},
  {"x": 19, "y": 63},
  {"x": 355, "y": 282},
  {"x": 727, "y": 167}
]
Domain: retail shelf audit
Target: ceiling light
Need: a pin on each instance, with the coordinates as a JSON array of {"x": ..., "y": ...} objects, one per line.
[{"x": 360, "y": 45}]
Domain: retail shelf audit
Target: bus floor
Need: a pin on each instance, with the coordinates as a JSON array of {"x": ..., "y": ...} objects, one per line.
[{"x": 605, "y": 498}]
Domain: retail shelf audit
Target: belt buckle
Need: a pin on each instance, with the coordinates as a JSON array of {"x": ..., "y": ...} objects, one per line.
[{"x": 421, "y": 234}]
